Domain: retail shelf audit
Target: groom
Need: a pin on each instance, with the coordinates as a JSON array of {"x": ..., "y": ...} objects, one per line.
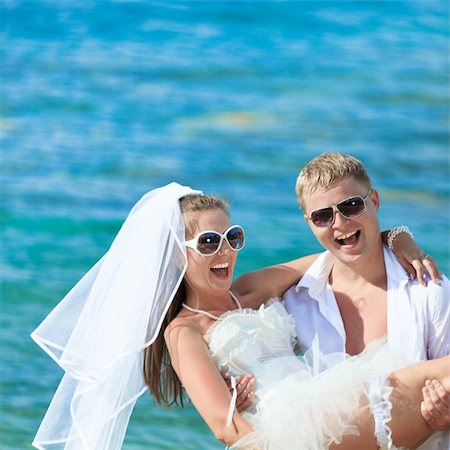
[
  {"x": 357, "y": 291},
  {"x": 347, "y": 293}
]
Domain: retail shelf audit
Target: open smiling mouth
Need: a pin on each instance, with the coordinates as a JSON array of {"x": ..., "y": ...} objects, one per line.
[
  {"x": 220, "y": 270},
  {"x": 349, "y": 238}
]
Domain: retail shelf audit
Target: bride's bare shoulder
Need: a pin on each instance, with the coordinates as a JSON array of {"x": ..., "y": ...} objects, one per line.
[{"x": 186, "y": 324}]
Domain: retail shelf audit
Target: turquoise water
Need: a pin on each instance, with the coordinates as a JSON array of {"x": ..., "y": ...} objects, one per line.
[{"x": 103, "y": 101}]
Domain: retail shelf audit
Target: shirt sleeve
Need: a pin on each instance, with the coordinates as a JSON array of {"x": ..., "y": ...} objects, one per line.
[{"x": 439, "y": 328}]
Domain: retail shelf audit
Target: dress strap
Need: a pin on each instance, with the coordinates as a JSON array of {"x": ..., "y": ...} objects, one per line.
[
  {"x": 235, "y": 300},
  {"x": 208, "y": 314},
  {"x": 232, "y": 401}
]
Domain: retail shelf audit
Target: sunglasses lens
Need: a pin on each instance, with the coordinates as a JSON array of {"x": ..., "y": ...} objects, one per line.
[
  {"x": 322, "y": 217},
  {"x": 353, "y": 207},
  {"x": 208, "y": 243},
  {"x": 350, "y": 208},
  {"x": 236, "y": 238}
]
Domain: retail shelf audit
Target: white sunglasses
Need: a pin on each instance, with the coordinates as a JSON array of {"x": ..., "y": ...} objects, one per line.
[{"x": 208, "y": 243}]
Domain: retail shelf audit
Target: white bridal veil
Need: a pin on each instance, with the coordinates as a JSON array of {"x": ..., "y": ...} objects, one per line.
[{"x": 97, "y": 333}]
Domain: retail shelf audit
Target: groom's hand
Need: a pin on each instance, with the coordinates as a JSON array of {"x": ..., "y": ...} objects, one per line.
[
  {"x": 435, "y": 407},
  {"x": 244, "y": 386}
]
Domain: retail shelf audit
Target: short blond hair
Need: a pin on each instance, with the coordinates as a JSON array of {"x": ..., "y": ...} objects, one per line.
[{"x": 325, "y": 170}]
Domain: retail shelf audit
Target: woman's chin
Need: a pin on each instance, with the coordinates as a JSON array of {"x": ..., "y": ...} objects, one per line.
[{"x": 222, "y": 279}]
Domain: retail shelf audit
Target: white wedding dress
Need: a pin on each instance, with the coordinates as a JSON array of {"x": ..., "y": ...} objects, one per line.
[{"x": 302, "y": 402}]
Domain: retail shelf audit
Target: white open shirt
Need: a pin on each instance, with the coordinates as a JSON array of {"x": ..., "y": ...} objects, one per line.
[{"x": 418, "y": 317}]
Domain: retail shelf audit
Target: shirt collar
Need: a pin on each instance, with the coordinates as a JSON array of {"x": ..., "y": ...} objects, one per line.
[
  {"x": 316, "y": 277},
  {"x": 394, "y": 269}
]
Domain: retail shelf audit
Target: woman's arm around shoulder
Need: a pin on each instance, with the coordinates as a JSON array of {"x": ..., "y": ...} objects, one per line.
[
  {"x": 255, "y": 288},
  {"x": 205, "y": 386}
]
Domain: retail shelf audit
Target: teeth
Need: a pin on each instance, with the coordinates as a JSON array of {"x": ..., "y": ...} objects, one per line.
[
  {"x": 220, "y": 266},
  {"x": 346, "y": 236}
]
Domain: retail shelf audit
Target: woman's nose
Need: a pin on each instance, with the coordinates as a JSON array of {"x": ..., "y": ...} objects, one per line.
[{"x": 225, "y": 247}]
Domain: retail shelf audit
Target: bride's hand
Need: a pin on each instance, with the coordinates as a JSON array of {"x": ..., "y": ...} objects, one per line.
[
  {"x": 244, "y": 385},
  {"x": 413, "y": 259}
]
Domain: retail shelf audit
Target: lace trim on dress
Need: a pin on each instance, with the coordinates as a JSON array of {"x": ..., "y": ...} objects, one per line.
[{"x": 282, "y": 315}]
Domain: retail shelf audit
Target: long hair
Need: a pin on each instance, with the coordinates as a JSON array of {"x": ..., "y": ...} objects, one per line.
[{"x": 158, "y": 372}]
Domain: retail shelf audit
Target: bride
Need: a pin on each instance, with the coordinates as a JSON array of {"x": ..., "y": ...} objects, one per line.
[{"x": 161, "y": 299}]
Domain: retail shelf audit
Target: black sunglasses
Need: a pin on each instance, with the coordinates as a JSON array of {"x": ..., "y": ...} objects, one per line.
[{"x": 350, "y": 209}]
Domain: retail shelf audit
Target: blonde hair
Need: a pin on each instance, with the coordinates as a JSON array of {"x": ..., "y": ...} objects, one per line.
[
  {"x": 325, "y": 170},
  {"x": 192, "y": 205},
  {"x": 158, "y": 372}
]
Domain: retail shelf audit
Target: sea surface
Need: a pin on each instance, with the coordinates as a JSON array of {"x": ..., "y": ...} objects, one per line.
[{"x": 102, "y": 101}]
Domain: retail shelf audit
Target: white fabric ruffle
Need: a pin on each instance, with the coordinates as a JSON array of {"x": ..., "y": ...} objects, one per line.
[
  {"x": 380, "y": 408},
  {"x": 304, "y": 402}
]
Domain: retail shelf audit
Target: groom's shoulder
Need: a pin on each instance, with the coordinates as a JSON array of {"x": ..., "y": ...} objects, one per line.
[
  {"x": 399, "y": 278},
  {"x": 434, "y": 293}
]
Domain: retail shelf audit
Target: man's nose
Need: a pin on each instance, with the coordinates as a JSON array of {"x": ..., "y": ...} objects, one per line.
[{"x": 339, "y": 219}]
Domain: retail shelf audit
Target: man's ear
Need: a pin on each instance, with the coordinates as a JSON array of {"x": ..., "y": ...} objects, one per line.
[{"x": 375, "y": 199}]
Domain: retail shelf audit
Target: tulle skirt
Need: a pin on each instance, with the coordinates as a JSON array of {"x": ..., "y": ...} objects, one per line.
[{"x": 317, "y": 403}]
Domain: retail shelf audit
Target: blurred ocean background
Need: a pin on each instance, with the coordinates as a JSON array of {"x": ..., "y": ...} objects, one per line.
[{"x": 102, "y": 101}]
